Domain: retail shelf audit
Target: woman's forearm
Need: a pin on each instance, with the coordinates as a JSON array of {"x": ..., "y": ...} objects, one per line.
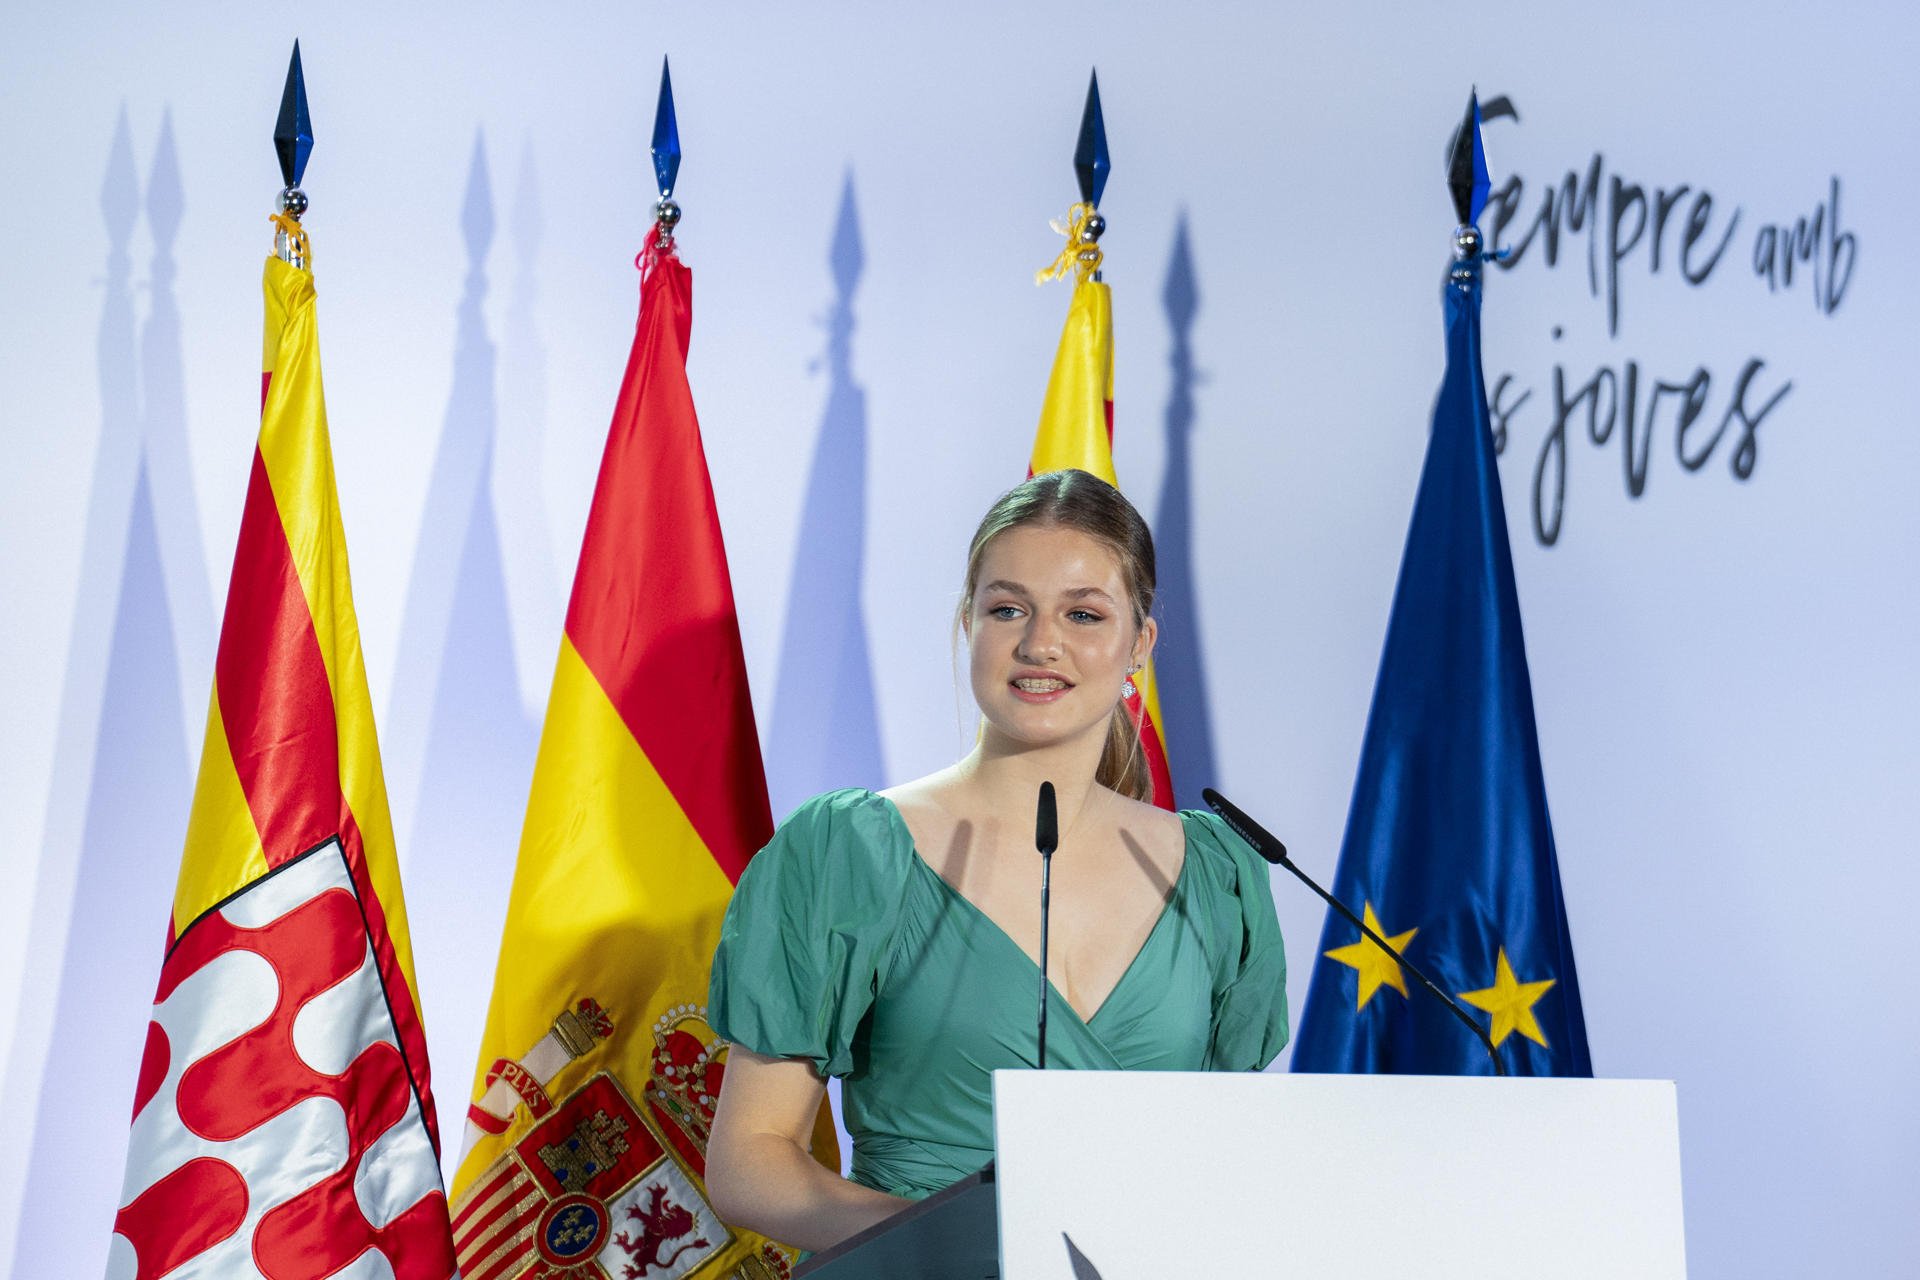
[{"x": 766, "y": 1183}]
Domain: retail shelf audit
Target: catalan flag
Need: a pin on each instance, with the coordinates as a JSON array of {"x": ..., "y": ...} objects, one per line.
[
  {"x": 1076, "y": 431},
  {"x": 283, "y": 1126},
  {"x": 598, "y": 1073}
]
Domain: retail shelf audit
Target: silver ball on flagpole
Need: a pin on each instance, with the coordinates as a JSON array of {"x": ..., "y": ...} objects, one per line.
[
  {"x": 1466, "y": 243},
  {"x": 1096, "y": 226},
  {"x": 293, "y": 202},
  {"x": 667, "y": 214}
]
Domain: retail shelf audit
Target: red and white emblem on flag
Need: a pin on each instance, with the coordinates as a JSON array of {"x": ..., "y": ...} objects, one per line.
[
  {"x": 606, "y": 1199},
  {"x": 276, "y": 1132}
]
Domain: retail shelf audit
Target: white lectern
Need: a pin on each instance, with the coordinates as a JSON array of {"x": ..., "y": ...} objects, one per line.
[{"x": 1157, "y": 1175}]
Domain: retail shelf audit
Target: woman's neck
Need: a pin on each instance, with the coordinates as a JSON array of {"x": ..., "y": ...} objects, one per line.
[{"x": 1006, "y": 777}]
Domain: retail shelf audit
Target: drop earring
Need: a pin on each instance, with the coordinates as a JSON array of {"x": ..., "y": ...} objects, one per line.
[{"x": 1127, "y": 691}]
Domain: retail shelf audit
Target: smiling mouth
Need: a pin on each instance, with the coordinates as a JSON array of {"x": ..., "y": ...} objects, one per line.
[{"x": 1041, "y": 685}]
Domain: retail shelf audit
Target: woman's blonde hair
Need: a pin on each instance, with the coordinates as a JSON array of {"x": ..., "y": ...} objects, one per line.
[{"x": 1083, "y": 502}]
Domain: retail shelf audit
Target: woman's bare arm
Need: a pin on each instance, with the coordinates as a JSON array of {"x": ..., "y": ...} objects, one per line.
[{"x": 760, "y": 1174}]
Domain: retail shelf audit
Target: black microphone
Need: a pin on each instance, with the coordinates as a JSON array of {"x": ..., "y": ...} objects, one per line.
[
  {"x": 1268, "y": 846},
  {"x": 1046, "y": 838}
]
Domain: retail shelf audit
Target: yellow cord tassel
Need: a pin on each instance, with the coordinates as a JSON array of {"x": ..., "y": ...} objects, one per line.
[
  {"x": 1081, "y": 256},
  {"x": 296, "y": 238}
]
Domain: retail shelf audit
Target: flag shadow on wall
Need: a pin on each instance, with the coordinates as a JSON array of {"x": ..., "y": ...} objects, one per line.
[
  {"x": 1178, "y": 659},
  {"x": 825, "y": 730},
  {"x": 536, "y": 604},
  {"x": 142, "y": 615},
  {"x": 458, "y": 721}
]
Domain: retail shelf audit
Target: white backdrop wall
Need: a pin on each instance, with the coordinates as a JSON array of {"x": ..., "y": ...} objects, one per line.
[{"x": 1723, "y": 657}]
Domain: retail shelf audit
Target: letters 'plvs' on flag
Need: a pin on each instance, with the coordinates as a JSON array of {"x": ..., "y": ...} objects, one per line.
[
  {"x": 283, "y": 1126},
  {"x": 1448, "y": 848},
  {"x": 1076, "y": 429},
  {"x": 598, "y": 1075}
]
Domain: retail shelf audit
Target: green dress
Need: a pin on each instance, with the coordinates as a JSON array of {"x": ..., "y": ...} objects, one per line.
[{"x": 843, "y": 947}]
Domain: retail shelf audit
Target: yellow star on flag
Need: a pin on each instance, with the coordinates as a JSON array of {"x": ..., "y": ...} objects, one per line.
[
  {"x": 1375, "y": 967},
  {"x": 1511, "y": 1002}
]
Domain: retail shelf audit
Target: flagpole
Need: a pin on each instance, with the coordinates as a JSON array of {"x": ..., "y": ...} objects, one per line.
[
  {"x": 293, "y": 142},
  {"x": 1468, "y": 184},
  {"x": 1076, "y": 416},
  {"x": 1091, "y": 166},
  {"x": 666, "y": 161}
]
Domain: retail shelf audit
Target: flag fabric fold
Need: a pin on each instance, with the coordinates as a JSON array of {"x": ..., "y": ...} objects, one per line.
[
  {"x": 1448, "y": 848},
  {"x": 595, "y": 1090},
  {"x": 283, "y": 1120},
  {"x": 1076, "y": 431}
]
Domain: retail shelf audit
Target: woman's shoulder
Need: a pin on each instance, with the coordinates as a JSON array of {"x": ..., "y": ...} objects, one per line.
[
  {"x": 1216, "y": 851},
  {"x": 1234, "y": 892},
  {"x": 928, "y": 810},
  {"x": 1156, "y": 827},
  {"x": 807, "y": 930},
  {"x": 933, "y": 792},
  {"x": 851, "y": 827},
  {"x": 845, "y": 804}
]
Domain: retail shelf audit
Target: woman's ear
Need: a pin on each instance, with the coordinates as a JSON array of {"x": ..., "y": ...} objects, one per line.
[{"x": 1143, "y": 647}]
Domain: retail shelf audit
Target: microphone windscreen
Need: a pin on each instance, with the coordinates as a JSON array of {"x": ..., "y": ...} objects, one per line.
[
  {"x": 1046, "y": 822},
  {"x": 1264, "y": 842}
]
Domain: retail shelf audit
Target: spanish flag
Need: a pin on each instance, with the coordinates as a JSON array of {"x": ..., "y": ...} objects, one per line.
[
  {"x": 595, "y": 1090},
  {"x": 1076, "y": 431},
  {"x": 283, "y": 1126}
]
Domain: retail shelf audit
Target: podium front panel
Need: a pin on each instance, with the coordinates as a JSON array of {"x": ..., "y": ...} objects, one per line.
[
  {"x": 1152, "y": 1175},
  {"x": 948, "y": 1236}
]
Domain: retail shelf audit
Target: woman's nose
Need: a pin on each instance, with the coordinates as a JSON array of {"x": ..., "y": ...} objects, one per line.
[{"x": 1039, "y": 642}]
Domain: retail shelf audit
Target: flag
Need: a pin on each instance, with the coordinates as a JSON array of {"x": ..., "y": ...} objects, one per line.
[
  {"x": 1076, "y": 432},
  {"x": 1448, "y": 850},
  {"x": 283, "y": 1126},
  {"x": 595, "y": 1089}
]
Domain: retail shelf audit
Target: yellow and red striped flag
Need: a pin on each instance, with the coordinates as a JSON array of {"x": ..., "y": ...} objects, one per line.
[
  {"x": 1076, "y": 431},
  {"x": 595, "y": 1089},
  {"x": 283, "y": 1125}
]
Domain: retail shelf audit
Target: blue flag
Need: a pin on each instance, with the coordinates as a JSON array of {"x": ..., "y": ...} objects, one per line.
[{"x": 1448, "y": 848}]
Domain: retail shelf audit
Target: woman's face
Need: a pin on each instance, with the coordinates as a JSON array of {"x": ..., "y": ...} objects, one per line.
[{"x": 1051, "y": 634}]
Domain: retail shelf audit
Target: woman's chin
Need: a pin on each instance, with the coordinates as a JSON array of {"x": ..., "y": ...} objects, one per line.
[{"x": 1026, "y": 727}]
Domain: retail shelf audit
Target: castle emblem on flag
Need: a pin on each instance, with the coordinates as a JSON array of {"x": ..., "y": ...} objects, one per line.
[{"x": 594, "y": 1144}]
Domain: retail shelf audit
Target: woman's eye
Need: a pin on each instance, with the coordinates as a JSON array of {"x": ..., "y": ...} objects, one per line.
[
  {"x": 1004, "y": 611},
  {"x": 1084, "y": 615}
]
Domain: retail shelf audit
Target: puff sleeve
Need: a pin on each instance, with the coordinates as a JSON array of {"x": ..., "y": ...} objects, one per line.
[
  {"x": 1249, "y": 1021},
  {"x": 808, "y": 934}
]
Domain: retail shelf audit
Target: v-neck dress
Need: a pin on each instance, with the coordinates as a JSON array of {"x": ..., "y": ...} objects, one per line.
[{"x": 843, "y": 947}]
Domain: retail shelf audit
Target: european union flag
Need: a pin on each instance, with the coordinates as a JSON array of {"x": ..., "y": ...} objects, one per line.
[{"x": 1447, "y": 844}]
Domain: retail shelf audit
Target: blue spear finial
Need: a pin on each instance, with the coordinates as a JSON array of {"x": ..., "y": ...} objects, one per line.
[
  {"x": 1090, "y": 163},
  {"x": 666, "y": 136},
  {"x": 293, "y": 132},
  {"x": 1467, "y": 179}
]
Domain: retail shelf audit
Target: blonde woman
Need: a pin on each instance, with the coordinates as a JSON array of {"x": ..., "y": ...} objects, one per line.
[{"x": 891, "y": 938}]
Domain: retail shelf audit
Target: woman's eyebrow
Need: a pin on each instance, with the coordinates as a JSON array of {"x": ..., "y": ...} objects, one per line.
[{"x": 1071, "y": 593}]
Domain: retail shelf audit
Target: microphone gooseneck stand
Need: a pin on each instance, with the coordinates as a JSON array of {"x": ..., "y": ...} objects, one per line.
[
  {"x": 1268, "y": 846},
  {"x": 1046, "y": 838}
]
